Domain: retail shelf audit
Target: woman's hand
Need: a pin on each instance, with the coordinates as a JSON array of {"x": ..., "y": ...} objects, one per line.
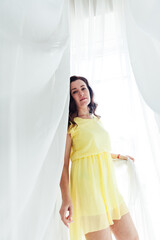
[
  {"x": 66, "y": 206},
  {"x": 121, "y": 157},
  {"x": 126, "y": 157}
]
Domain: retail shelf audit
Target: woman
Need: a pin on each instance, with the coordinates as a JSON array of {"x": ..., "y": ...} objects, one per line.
[{"x": 91, "y": 194}]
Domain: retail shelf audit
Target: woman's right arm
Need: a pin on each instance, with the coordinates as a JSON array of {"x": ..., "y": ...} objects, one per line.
[{"x": 64, "y": 185}]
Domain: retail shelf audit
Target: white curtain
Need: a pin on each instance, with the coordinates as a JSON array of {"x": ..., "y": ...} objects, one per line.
[
  {"x": 99, "y": 52},
  {"x": 143, "y": 35},
  {"x": 34, "y": 101}
]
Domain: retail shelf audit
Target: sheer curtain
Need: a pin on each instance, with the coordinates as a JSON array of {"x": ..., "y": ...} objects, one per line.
[
  {"x": 143, "y": 36},
  {"x": 34, "y": 101},
  {"x": 99, "y": 51}
]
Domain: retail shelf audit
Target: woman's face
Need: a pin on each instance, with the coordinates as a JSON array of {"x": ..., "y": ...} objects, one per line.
[{"x": 79, "y": 91}]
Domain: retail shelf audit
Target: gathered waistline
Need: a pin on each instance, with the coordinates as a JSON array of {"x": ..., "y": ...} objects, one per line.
[{"x": 91, "y": 154}]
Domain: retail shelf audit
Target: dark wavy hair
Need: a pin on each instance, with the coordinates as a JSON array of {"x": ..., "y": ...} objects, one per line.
[{"x": 72, "y": 105}]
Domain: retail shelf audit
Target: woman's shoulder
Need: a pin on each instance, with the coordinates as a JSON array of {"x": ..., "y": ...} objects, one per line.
[{"x": 72, "y": 127}]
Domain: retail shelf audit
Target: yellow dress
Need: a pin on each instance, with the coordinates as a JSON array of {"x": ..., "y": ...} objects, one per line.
[{"x": 92, "y": 183}]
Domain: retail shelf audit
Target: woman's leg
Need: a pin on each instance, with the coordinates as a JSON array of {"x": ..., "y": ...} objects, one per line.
[
  {"x": 124, "y": 228},
  {"x": 104, "y": 234}
]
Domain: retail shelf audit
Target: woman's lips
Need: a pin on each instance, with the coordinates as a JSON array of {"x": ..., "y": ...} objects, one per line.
[{"x": 83, "y": 99}]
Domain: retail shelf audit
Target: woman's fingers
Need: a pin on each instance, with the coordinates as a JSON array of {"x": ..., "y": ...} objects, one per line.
[
  {"x": 131, "y": 158},
  {"x": 70, "y": 213},
  {"x": 64, "y": 218},
  {"x": 68, "y": 219}
]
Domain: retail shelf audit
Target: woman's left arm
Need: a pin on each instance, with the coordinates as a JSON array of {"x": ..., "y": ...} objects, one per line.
[{"x": 122, "y": 157}]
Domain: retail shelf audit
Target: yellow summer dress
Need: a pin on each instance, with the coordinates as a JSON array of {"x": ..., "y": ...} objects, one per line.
[{"x": 92, "y": 183}]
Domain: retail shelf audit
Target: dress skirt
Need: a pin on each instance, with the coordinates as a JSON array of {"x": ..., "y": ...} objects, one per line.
[{"x": 94, "y": 193}]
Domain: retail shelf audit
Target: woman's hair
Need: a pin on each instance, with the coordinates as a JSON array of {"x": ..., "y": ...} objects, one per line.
[{"x": 72, "y": 105}]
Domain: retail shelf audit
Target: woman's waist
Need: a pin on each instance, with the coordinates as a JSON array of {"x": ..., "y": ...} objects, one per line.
[{"x": 78, "y": 156}]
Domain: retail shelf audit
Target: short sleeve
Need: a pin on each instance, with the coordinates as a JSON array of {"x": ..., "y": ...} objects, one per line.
[{"x": 70, "y": 129}]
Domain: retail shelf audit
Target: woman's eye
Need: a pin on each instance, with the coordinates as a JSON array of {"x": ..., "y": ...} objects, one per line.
[{"x": 76, "y": 91}]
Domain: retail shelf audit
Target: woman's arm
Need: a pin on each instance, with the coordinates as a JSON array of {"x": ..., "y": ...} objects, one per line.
[
  {"x": 64, "y": 185},
  {"x": 64, "y": 182},
  {"x": 122, "y": 157}
]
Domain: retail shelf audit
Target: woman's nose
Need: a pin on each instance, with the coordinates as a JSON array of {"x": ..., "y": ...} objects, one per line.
[{"x": 81, "y": 93}]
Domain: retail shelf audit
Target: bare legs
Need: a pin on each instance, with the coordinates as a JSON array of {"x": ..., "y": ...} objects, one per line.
[
  {"x": 122, "y": 229},
  {"x": 104, "y": 234}
]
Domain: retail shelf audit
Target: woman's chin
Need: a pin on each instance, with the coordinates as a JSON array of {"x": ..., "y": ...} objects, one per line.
[{"x": 84, "y": 103}]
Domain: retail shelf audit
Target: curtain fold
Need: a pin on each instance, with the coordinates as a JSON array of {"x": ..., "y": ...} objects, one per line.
[
  {"x": 143, "y": 36},
  {"x": 34, "y": 101}
]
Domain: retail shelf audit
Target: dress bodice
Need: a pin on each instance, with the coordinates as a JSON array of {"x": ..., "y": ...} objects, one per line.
[{"x": 88, "y": 137}]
